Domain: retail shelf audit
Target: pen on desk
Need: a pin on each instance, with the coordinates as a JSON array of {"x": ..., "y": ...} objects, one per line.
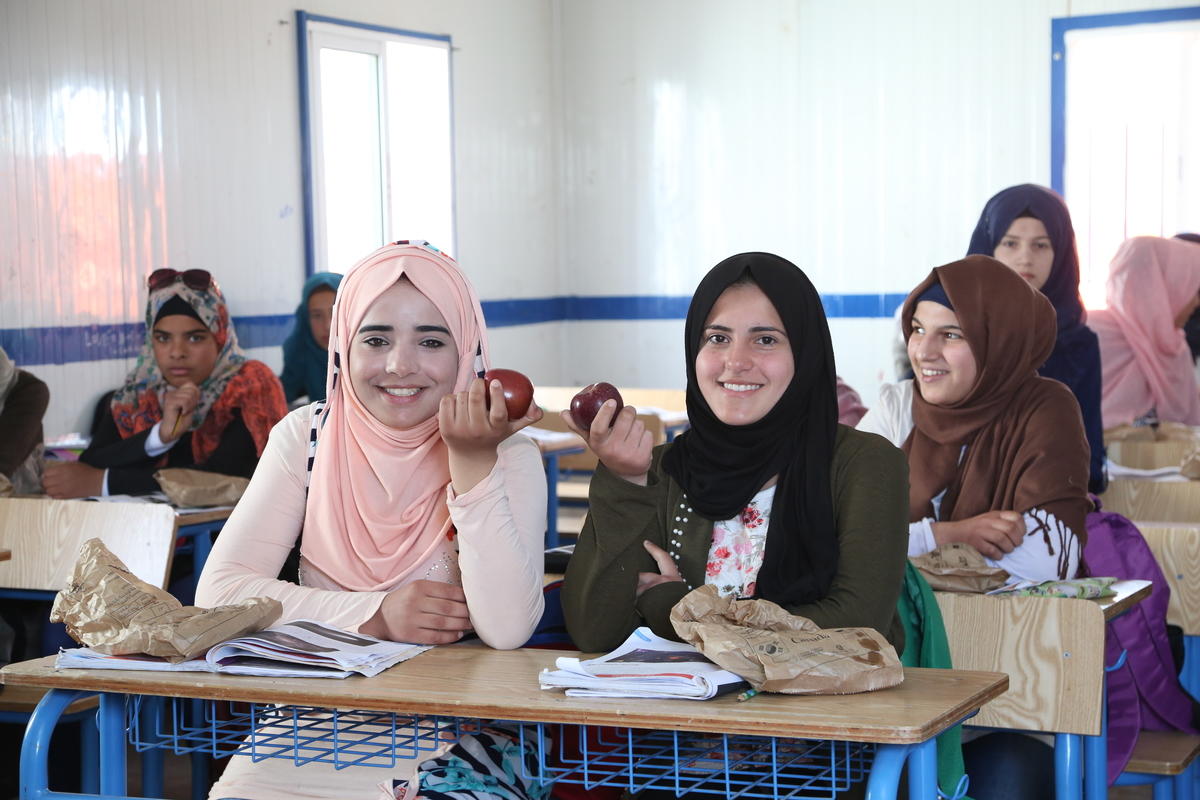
[{"x": 746, "y": 695}]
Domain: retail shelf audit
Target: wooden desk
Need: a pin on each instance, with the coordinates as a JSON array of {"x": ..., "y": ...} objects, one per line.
[
  {"x": 1150, "y": 455},
  {"x": 669, "y": 405},
  {"x": 1156, "y": 501},
  {"x": 1052, "y": 649},
  {"x": 474, "y": 682}
]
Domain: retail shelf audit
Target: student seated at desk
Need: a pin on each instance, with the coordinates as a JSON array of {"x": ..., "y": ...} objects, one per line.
[
  {"x": 23, "y": 402},
  {"x": 1149, "y": 376},
  {"x": 1028, "y": 229},
  {"x": 997, "y": 456},
  {"x": 306, "y": 348},
  {"x": 764, "y": 496},
  {"x": 192, "y": 400},
  {"x": 417, "y": 515}
]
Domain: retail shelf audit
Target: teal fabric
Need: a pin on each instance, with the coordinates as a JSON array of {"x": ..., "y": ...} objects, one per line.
[
  {"x": 305, "y": 361},
  {"x": 926, "y": 645}
]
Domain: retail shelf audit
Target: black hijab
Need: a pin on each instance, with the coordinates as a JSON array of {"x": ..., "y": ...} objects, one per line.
[{"x": 721, "y": 467}]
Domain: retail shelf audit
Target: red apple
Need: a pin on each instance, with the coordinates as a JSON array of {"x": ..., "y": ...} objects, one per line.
[
  {"x": 518, "y": 391},
  {"x": 586, "y": 404}
]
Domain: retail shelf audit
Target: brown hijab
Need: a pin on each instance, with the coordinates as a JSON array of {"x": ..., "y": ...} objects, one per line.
[{"x": 1024, "y": 435}]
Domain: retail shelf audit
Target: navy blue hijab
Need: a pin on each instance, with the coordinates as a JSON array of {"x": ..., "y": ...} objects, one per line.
[
  {"x": 305, "y": 361},
  {"x": 1075, "y": 360}
]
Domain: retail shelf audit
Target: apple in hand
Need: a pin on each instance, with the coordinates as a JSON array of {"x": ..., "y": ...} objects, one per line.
[
  {"x": 586, "y": 404},
  {"x": 518, "y": 391}
]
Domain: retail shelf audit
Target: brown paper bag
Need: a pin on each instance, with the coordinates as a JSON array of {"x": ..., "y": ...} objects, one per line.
[
  {"x": 108, "y": 608},
  {"x": 777, "y": 651},
  {"x": 959, "y": 567},
  {"x": 195, "y": 487},
  {"x": 6, "y": 487}
]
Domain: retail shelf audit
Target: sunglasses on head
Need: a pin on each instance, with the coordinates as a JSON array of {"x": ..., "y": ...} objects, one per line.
[{"x": 198, "y": 279}]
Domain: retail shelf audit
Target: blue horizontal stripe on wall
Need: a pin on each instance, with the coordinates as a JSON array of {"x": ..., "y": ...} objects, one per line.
[{"x": 73, "y": 344}]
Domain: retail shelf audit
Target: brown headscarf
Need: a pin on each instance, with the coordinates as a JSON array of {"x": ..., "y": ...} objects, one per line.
[{"x": 1026, "y": 447}]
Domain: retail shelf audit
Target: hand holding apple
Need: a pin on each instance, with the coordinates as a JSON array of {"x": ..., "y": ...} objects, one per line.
[
  {"x": 587, "y": 402},
  {"x": 518, "y": 391},
  {"x": 474, "y": 422},
  {"x": 617, "y": 437}
]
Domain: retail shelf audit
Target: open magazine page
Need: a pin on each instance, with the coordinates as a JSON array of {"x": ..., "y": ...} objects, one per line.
[
  {"x": 308, "y": 642},
  {"x": 645, "y": 665},
  {"x": 296, "y": 649}
]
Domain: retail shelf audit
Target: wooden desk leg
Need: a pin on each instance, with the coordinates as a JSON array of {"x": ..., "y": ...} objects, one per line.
[{"x": 1068, "y": 767}]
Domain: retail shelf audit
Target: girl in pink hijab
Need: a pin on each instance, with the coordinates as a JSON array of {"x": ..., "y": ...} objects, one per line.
[
  {"x": 415, "y": 514},
  {"x": 1148, "y": 375}
]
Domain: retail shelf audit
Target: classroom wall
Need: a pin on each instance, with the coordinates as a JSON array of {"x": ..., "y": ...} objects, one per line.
[
  {"x": 144, "y": 133},
  {"x": 859, "y": 139},
  {"x": 603, "y": 148}
]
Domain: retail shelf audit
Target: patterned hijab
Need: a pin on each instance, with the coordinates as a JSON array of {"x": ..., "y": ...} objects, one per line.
[
  {"x": 721, "y": 467},
  {"x": 8, "y": 376},
  {"x": 234, "y": 383},
  {"x": 376, "y": 507},
  {"x": 1009, "y": 419}
]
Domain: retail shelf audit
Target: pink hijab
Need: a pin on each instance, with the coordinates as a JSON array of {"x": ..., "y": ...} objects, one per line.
[
  {"x": 376, "y": 506},
  {"x": 1145, "y": 359}
]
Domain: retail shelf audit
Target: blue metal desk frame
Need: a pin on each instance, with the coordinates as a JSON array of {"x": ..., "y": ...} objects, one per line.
[{"x": 882, "y": 783}]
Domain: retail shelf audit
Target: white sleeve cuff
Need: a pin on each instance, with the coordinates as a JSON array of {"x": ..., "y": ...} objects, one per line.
[
  {"x": 154, "y": 442},
  {"x": 920, "y": 537},
  {"x": 104, "y": 485}
]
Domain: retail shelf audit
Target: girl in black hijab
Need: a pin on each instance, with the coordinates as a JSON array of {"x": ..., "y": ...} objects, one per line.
[{"x": 765, "y": 496}]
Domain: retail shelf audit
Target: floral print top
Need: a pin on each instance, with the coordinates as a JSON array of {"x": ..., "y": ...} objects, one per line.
[{"x": 737, "y": 547}]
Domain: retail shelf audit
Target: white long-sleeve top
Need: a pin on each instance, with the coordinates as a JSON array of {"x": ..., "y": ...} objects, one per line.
[{"x": 1033, "y": 560}]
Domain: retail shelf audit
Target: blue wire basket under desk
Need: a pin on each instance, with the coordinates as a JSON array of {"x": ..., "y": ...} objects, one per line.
[
  {"x": 299, "y": 734},
  {"x": 719, "y": 764}
]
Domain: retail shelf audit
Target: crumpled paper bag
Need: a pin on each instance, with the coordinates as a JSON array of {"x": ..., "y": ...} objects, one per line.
[
  {"x": 108, "y": 608},
  {"x": 6, "y": 487},
  {"x": 959, "y": 567},
  {"x": 195, "y": 487},
  {"x": 776, "y": 651}
]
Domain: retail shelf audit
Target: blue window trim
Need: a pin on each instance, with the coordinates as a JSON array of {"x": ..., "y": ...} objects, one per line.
[
  {"x": 306, "y": 155},
  {"x": 1059, "y": 27},
  {"x": 82, "y": 343}
]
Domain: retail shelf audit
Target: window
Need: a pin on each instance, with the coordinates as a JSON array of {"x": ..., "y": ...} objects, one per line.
[
  {"x": 378, "y": 139},
  {"x": 1129, "y": 131}
]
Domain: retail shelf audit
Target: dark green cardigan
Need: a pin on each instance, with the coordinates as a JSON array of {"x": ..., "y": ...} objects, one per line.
[{"x": 870, "y": 498}]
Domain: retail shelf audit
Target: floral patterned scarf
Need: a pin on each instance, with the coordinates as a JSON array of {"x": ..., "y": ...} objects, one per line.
[{"x": 235, "y": 382}]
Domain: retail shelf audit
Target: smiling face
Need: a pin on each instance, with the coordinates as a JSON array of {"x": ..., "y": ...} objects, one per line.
[
  {"x": 745, "y": 362},
  {"x": 320, "y": 315},
  {"x": 186, "y": 350},
  {"x": 943, "y": 364},
  {"x": 1026, "y": 249},
  {"x": 402, "y": 360}
]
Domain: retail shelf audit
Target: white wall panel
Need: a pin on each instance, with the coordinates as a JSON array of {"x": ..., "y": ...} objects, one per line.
[
  {"x": 859, "y": 139},
  {"x": 143, "y": 133}
]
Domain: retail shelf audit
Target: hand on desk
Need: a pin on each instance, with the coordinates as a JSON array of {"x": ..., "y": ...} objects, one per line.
[
  {"x": 421, "y": 612},
  {"x": 993, "y": 534},
  {"x": 668, "y": 570},
  {"x": 625, "y": 448},
  {"x": 65, "y": 480}
]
